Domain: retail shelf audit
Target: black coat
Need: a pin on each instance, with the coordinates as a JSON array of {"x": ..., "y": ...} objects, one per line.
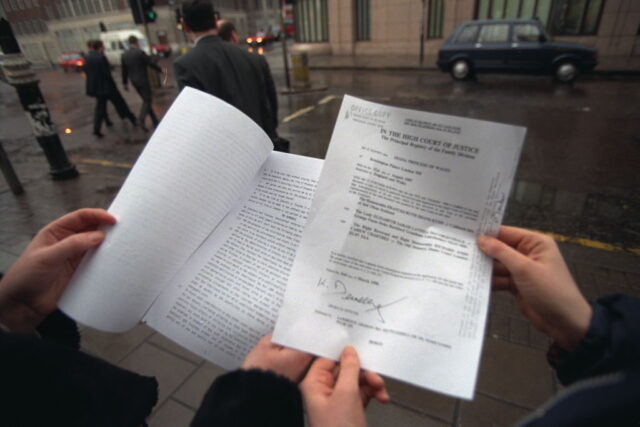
[
  {"x": 134, "y": 67},
  {"x": 98, "y": 71},
  {"x": 229, "y": 73}
]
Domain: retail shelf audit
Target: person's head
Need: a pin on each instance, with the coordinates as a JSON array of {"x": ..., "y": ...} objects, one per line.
[
  {"x": 90, "y": 44},
  {"x": 98, "y": 46},
  {"x": 198, "y": 17},
  {"x": 227, "y": 32},
  {"x": 133, "y": 40}
]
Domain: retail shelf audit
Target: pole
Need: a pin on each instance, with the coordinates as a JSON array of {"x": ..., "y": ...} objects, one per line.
[
  {"x": 9, "y": 173},
  {"x": 422, "y": 36},
  {"x": 19, "y": 74},
  {"x": 144, "y": 22},
  {"x": 284, "y": 46}
]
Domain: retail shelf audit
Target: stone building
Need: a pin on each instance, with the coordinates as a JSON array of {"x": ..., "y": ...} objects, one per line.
[{"x": 404, "y": 27}]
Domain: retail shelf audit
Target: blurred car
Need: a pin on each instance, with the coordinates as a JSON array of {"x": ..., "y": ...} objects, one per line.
[
  {"x": 260, "y": 39},
  {"x": 161, "y": 49},
  {"x": 516, "y": 46},
  {"x": 73, "y": 61}
]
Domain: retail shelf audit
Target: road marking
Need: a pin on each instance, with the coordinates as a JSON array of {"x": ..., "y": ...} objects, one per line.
[
  {"x": 298, "y": 113},
  {"x": 590, "y": 243},
  {"x": 107, "y": 163},
  {"x": 305, "y": 110},
  {"x": 327, "y": 98}
]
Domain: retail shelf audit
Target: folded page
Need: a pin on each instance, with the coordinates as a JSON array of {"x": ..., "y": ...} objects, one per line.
[{"x": 194, "y": 169}]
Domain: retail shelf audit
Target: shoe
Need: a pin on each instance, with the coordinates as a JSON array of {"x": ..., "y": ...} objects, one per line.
[{"x": 98, "y": 135}]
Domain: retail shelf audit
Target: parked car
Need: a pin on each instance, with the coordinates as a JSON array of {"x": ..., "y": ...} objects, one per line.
[
  {"x": 517, "y": 46},
  {"x": 72, "y": 61}
]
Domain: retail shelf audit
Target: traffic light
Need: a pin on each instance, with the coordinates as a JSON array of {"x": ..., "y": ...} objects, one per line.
[
  {"x": 143, "y": 11},
  {"x": 150, "y": 15}
]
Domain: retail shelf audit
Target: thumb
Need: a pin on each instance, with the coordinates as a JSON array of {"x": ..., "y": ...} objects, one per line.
[
  {"x": 348, "y": 378},
  {"x": 72, "y": 246},
  {"x": 496, "y": 249}
]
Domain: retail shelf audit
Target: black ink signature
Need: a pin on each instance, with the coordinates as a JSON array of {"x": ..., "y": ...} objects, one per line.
[{"x": 338, "y": 287}]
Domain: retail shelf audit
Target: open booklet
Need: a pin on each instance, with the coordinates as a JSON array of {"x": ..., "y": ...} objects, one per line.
[{"x": 210, "y": 221}]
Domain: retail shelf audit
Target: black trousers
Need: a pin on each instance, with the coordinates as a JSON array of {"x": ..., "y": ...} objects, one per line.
[
  {"x": 101, "y": 109},
  {"x": 146, "y": 110}
]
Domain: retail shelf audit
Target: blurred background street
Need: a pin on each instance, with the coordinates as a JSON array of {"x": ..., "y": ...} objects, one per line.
[{"x": 577, "y": 180}]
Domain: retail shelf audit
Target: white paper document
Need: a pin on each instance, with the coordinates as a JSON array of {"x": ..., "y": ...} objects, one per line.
[
  {"x": 227, "y": 296},
  {"x": 200, "y": 160},
  {"x": 388, "y": 260}
]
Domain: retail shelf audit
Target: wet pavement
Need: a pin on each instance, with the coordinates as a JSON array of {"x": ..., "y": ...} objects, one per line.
[{"x": 578, "y": 179}]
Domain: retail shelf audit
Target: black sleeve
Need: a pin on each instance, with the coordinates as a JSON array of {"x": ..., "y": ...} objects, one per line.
[
  {"x": 251, "y": 398},
  {"x": 184, "y": 78},
  {"x": 611, "y": 344},
  {"x": 150, "y": 63},
  {"x": 45, "y": 383}
]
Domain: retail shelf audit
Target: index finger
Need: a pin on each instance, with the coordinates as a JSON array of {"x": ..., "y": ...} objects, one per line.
[{"x": 81, "y": 219}]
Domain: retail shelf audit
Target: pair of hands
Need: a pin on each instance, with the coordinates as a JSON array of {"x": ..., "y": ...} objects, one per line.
[{"x": 334, "y": 394}]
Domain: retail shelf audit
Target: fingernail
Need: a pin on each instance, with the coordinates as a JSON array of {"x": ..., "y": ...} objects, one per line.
[{"x": 96, "y": 236}]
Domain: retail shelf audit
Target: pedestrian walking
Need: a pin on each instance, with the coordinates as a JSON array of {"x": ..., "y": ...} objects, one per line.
[
  {"x": 223, "y": 69},
  {"x": 135, "y": 65},
  {"x": 100, "y": 85}
]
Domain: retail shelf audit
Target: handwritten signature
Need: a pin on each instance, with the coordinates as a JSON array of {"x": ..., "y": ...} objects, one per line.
[{"x": 338, "y": 287}]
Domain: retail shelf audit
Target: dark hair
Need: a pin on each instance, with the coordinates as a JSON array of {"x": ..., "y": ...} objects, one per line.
[
  {"x": 198, "y": 15},
  {"x": 90, "y": 44},
  {"x": 225, "y": 30},
  {"x": 133, "y": 39},
  {"x": 97, "y": 44}
]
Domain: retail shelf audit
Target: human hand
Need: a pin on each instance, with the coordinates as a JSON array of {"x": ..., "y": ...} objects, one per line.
[
  {"x": 273, "y": 357},
  {"x": 336, "y": 395},
  {"x": 32, "y": 287},
  {"x": 530, "y": 266}
]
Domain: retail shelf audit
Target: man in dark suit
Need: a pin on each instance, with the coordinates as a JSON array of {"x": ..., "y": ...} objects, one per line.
[
  {"x": 134, "y": 66},
  {"x": 100, "y": 85},
  {"x": 222, "y": 69}
]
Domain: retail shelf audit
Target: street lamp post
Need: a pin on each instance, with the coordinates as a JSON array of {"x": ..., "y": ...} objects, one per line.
[{"x": 17, "y": 70}]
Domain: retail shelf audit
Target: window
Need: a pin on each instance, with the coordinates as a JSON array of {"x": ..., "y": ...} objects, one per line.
[
  {"x": 513, "y": 9},
  {"x": 525, "y": 33},
  {"x": 434, "y": 26},
  {"x": 468, "y": 34},
  {"x": 311, "y": 21},
  {"x": 363, "y": 20},
  {"x": 494, "y": 33},
  {"x": 576, "y": 16}
]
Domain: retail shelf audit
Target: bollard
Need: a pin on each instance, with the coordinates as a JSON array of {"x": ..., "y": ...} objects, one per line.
[
  {"x": 17, "y": 70},
  {"x": 300, "y": 62}
]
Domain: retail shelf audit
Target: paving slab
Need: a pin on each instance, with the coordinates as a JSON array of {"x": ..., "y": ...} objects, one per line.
[
  {"x": 169, "y": 370},
  {"x": 173, "y": 348},
  {"x": 484, "y": 411},
  {"x": 193, "y": 390},
  {"x": 113, "y": 347},
  {"x": 379, "y": 415},
  {"x": 172, "y": 414},
  {"x": 421, "y": 400},
  {"x": 515, "y": 374}
]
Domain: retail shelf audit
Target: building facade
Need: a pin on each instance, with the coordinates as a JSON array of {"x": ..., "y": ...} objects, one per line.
[
  {"x": 404, "y": 27},
  {"x": 47, "y": 28}
]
